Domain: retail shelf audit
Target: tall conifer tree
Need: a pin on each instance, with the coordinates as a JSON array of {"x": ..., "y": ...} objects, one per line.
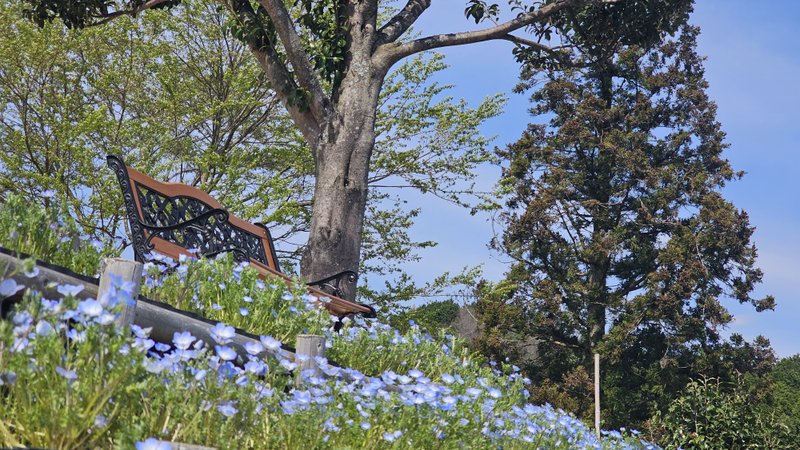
[{"x": 623, "y": 242}]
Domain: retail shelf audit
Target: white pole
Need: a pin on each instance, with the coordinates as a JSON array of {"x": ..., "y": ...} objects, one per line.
[{"x": 597, "y": 394}]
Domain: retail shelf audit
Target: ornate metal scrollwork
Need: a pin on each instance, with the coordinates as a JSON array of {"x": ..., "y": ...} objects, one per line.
[
  {"x": 331, "y": 284},
  {"x": 184, "y": 221},
  {"x": 140, "y": 245}
]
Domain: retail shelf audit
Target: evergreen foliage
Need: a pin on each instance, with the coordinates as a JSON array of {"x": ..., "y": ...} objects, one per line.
[{"x": 623, "y": 244}]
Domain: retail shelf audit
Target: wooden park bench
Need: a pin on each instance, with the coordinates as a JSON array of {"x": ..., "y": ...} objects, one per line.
[{"x": 175, "y": 219}]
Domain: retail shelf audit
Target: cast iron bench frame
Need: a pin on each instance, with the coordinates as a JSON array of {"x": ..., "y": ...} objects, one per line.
[{"x": 175, "y": 219}]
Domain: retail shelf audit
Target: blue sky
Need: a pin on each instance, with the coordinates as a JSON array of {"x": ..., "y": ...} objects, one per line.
[{"x": 753, "y": 68}]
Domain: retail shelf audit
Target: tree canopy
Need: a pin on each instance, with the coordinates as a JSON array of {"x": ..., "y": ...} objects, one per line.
[
  {"x": 327, "y": 61},
  {"x": 622, "y": 242},
  {"x": 180, "y": 98}
]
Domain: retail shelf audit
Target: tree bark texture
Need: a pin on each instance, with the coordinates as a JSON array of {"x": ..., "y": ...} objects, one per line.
[{"x": 342, "y": 157}]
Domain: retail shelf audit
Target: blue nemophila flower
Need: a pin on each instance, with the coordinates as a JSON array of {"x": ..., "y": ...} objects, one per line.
[
  {"x": 302, "y": 397},
  {"x": 244, "y": 311},
  {"x": 100, "y": 421},
  {"x": 330, "y": 426},
  {"x": 32, "y": 273},
  {"x": 20, "y": 344},
  {"x": 10, "y": 287},
  {"x": 8, "y": 378},
  {"x": 227, "y": 409},
  {"x": 90, "y": 308},
  {"x": 23, "y": 320},
  {"x": 414, "y": 373},
  {"x": 161, "y": 347},
  {"x": 270, "y": 343},
  {"x": 494, "y": 392},
  {"x": 391, "y": 437},
  {"x": 365, "y": 426},
  {"x": 222, "y": 333},
  {"x": 48, "y": 193},
  {"x": 474, "y": 392},
  {"x": 43, "y": 328},
  {"x": 216, "y": 307},
  {"x": 141, "y": 333},
  {"x": 153, "y": 365},
  {"x": 265, "y": 392},
  {"x": 448, "y": 403},
  {"x": 288, "y": 365},
  {"x": 143, "y": 345},
  {"x": 182, "y": 340},
  {"x": 68, "y": 374},
  {"x": 448, "y": 379},
  {"x": 287, "y": 296},
  {"x": 51, "y": 306},
  {"x": 242, "y": 381},
  {"x": 75, "y": 335},
  {"x": 256, "y": 366},
  {"x": 153, "y": 444},
  {"x": 247, "y": 299},
  {"x": 69, "y": 289},
  {"x": 106, "y": 318},
  {"x": 225, "y": 353},
  {"x": 253, "y": 348}
]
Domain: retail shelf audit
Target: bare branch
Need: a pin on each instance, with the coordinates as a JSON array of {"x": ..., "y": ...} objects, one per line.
[
  {"x": 552, "y": 51},
  {"x": 400, "y": 23},
  {"x": 127, "y": 12},
  {"x": 304, "y": 73},
  {"x": 500, "y": 31}
]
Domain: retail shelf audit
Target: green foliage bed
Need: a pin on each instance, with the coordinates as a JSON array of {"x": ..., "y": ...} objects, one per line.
[{"x": 70, "y": 380}]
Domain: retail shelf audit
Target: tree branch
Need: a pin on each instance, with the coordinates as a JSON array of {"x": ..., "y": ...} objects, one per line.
[
  {"x": 500, "y": 31},
  {"x": 304, "y": 73},
  {"x": 127, "y": 12},
  {"x": 277, "y": 73},
  {"x": 562, "y": 58},
  {"x": 401, "y": 22}
]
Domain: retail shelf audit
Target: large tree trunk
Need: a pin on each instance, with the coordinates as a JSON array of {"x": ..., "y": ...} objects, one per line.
[{"x": 342, "y": 170}]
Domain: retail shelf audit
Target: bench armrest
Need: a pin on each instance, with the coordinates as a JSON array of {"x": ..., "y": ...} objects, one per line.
[{"x": 331, "y": 283}]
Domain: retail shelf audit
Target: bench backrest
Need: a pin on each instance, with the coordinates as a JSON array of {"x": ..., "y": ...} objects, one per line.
[
  {"x": 175, "y": 219},
  {"x": 189, "y": 221}
]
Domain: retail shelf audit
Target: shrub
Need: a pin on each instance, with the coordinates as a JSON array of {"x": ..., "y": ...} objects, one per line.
[
  {"x": 709, "y": 416},
  {"x": 430, "y": 317},
  {"x": 786, "y": 393}
]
